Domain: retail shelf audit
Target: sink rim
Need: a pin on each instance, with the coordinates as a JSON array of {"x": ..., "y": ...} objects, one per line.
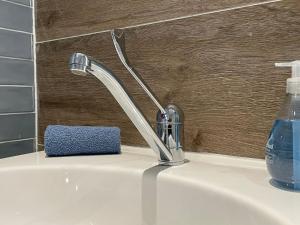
[{"x": 202, "y": 170}]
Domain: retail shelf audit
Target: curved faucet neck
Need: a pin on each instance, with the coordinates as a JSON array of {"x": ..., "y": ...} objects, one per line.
[{"x": 171, "y": 155}]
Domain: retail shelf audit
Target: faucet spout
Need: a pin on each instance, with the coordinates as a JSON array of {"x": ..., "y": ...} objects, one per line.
[{"x": 81, "y": 64}]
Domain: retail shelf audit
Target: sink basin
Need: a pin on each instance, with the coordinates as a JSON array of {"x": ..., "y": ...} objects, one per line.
[{"x": 130, "y": 189}]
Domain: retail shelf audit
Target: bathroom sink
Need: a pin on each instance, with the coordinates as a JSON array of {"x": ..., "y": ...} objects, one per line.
[{"x": 130, "y": 189}]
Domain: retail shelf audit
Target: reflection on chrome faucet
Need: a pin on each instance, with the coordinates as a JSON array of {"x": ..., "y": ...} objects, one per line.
[{"x": 167, "y": 142}]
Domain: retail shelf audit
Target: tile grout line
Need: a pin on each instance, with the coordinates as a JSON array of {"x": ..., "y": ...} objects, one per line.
[
  {"x": 70, "y": 37},
  {"x": 204, "y": 13},
  {"x": 36, "y": 102},
  {"x": 166, "y": 20},
  {"x": 22, "y": 59},
  {"x": 13, "y": 30},
  {"x": 15, "y": 3},
  {"x": 16, "y": 85},
  {"x": 16, "y": 113},
  {"x": 17, "y": 140}
]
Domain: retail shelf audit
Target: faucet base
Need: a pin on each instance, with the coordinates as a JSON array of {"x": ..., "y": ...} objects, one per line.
[{"x": 170, "y": 163}]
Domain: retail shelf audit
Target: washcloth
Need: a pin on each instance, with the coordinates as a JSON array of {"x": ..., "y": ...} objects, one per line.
[{"x": 81, "y": 140}]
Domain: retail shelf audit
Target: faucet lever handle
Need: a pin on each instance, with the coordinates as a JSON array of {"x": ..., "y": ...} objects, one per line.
[{"x": 118, "y": 38}]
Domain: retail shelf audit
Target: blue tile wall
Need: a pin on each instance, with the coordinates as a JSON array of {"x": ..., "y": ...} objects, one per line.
[
  {"x": 18, "y": 72},
  {"x": 16, "y": 99},
  {"x": 16, "y": 126},
  {"x": 15, "y": 17},
  {"x": 17, "y": 103},
  {"x": 15, "y": 44},
  {"x": 16, "y": 148}
]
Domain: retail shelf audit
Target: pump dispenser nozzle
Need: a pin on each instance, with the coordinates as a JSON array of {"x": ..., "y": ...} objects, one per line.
[{"x": 293, "y": 83}]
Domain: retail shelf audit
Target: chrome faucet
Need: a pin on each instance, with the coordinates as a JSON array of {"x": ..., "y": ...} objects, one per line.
[{"x": 167, "y": 141}]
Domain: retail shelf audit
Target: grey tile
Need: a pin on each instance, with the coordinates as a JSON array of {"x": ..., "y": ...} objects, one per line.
[
  {"x": 15, "y": 127},
  {"x": 16, "y": 99},
  {"x": 15, "y": 17},
  {"x": 16, "y": 72},
  {"x": 15, "y": 44},
  {"x": 24, "y": 2},
  {"x": 16, "y": 148}
]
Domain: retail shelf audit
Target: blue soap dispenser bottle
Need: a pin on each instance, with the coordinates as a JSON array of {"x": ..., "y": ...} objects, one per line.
[{"x": 283, "y": 145}]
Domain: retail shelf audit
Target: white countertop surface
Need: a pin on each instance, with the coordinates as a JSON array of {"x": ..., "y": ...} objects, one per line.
[{"x": 241, "y": 178}]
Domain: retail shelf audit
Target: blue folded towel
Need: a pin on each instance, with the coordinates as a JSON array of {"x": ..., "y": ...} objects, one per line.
[{"x": 79, "y": 140}]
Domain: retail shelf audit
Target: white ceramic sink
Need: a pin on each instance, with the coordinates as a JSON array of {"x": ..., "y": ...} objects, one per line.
[{"x": 129, "y": 189}]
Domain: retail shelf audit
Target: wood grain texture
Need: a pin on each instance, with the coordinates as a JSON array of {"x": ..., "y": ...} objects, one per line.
[
  {"x": 218, "y": 68},
  {"x": 61, "y": 18}
]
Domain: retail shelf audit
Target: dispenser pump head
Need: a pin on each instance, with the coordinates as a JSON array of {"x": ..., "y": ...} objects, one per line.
[{"x": 293, "y": 83}]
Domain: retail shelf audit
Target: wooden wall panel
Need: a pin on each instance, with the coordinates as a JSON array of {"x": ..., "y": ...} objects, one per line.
[
  {"x": 61, "y": 18},
  {"x": 218, "y": 68}
]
